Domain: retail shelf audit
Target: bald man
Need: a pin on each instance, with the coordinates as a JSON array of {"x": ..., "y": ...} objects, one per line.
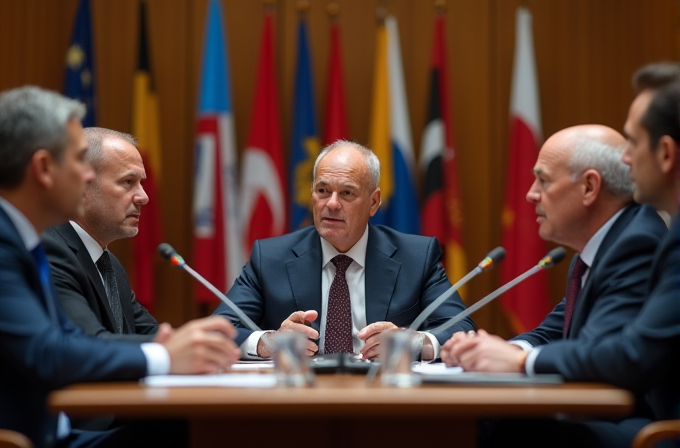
[{"x": 584, "y": 200}]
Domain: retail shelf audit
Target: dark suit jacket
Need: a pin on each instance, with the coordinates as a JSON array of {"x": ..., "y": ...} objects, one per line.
[
  {"x": 82, "y": 294},
  {"x": 645, "y": 356},
  {"x": 615, "y": 288},
  {"x": 403, "y": 276},
  {"x": 40, "y": 354}
]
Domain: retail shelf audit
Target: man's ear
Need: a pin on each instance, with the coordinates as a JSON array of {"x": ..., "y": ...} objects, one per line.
[
  {"x": 667, "y": 154},
  {"x": 375, "y": 201},
  {"x": 41, "y": 166},
  {"x": 591, "y": 182}
]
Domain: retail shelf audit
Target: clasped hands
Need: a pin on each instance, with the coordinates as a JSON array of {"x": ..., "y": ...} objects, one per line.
[
  {"x": 481, "y": 352},
  {"x": 300, "y": 321}
]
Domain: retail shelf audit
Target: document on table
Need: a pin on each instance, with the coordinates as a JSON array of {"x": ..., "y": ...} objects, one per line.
[
  {"x": 217, "y": 380},
  {"x": 253, "y": 365},
  {"x": 435, "y": 368}
]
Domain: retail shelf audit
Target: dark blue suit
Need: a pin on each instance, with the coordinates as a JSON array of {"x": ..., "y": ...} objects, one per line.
[
  {"x": 614, "y": 293},
  {"x": 402, "y": 277},
  {"x": 616, "y": 286},
  {"x": 645, "y": 356},
  {"x": 40, "y": 354}
]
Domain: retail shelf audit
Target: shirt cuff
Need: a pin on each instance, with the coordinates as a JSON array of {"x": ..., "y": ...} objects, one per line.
[
  {"x": 157, "y": 358},
  {"x": 249, "y": 346},
  {"x": 523, "y": 344},
  {"x": 435, "y": 343},
  {"x": 531, "y": 360}
]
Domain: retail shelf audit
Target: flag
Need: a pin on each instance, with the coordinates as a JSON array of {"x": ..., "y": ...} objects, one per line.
[
  {"x": 218, "y": 252},
  {"x": 264, "y": 186},
  {"x": 305, "y": 145},
  {"x": 527, "y": 303},
  {"x": 390, "y": 135},
  {"x": 145, "y": 127},
  {"x": 336, "y": 115},
  {"x": 79, "y": 77},
  {"x": 441, "y": 213}
]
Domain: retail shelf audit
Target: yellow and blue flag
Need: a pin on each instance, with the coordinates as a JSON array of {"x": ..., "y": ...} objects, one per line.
[
  {"x": 390, "y": 135},
  {"x": 79, "y": 78},
  {"x": 305, "y": 146}
]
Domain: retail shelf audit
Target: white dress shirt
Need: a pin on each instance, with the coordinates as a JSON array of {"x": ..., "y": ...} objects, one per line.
[
  {"x": 587, "y": 255},
  {"x": 356, "y": 282}
]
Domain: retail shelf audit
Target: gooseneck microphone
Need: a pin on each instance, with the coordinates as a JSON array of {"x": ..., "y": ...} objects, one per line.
[
  {"x": 492, "y": 258},
  {"x": 168, "y": 253},
  {"x": 554, "y": 256}
]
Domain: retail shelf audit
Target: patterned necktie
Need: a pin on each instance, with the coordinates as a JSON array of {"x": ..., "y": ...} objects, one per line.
[
  {"x": 338, "y": 337},
  {"x": 106, "y": 268},
  {"x": 573, "y": 289},
  {"x": 44, "y": 271}
]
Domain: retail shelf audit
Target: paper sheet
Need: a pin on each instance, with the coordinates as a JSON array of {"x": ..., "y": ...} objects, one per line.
[
  {"x": 220, "y": 380},
  {"x": 437, "y": 368}
]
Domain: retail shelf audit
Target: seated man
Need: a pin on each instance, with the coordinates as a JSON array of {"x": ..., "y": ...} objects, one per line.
[
  {"x": 343, "y": 281},
  {"x": 42, "y": 182},
  {"x": 77, "y": 251},
  {"x": 643, "y": 355}
]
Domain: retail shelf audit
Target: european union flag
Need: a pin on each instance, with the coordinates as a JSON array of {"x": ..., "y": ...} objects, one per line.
[
  {"x": 79, "y": 79},
  {"x": 305, "y": 146}
]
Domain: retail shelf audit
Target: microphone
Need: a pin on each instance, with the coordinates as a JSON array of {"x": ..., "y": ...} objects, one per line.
[
  {"x": 168, "y": 253},
  {"x": 493, "y": 257},
  {"x": 554, "y": 256}
]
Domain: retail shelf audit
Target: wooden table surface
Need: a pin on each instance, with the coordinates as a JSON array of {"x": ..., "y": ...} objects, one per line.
[{"x": 376, "y": 414}]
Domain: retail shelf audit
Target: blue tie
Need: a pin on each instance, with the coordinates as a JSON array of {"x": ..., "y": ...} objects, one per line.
[{"x": 44, "y": 271}]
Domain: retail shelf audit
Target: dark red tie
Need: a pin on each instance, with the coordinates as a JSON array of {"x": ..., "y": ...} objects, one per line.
[
  {"x": 338, "y": 337},
  {"x": 573, "y": 289}
]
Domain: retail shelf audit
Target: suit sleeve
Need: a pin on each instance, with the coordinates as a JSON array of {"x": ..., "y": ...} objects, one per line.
[
  {"x": 49, "y": 354},
  {"x": 642, "y": 354},
  {"x": 436, "y": 283},
  {"x": 246, "y": 293},
  {"x": 73, "y": 288}
]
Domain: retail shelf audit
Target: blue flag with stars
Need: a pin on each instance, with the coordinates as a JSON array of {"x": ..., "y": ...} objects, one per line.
[
  {"x": 79, "y": 79},
  {"x": 305, "y": 146}
]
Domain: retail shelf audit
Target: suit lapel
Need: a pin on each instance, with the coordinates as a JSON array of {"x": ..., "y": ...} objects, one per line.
[
  {"x": 586, "y": 297},
  {"x": 83, "y": 256},
  {"x": 304, "y": 275},
  {"x": 380, "y": 275},
  {"x": 124, "y": 293}
]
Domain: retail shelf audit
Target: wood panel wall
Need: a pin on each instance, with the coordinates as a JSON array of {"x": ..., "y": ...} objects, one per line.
[{"x": 586, "y": 51}]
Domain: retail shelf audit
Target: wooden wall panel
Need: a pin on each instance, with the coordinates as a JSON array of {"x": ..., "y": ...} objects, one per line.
[{"x": 586, "y": 51}]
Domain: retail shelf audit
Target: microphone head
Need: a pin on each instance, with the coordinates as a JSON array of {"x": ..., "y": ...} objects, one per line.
[
  {"x": 495, "y": 256},
  {"x": 166, "y": 251},
  {"x": 554, "y": 256}
]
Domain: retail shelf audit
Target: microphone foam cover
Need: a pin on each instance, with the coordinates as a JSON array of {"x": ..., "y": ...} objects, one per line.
[{"x": 166, "y": 251}]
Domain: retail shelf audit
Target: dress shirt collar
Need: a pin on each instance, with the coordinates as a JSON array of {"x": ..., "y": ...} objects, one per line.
[
  {"x": 26, "y": 230},
  {"x": 356, "y": 253},
  {"x": 93, "y": 247},
  {"x": 593, "y": 245}
]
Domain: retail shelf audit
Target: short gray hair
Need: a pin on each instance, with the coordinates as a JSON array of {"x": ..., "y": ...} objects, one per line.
[
  {"x": 31, "y": 119},
  {"x": 95, "y": 144},
  {"x": 369, "y": 156},
  {"x": 606, "y": 160}
]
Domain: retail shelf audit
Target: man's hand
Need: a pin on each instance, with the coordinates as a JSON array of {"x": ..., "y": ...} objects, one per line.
[
  {"x": 481, "y": 352},
  {"x": 371, "y": 337},
  {"x": 200, "y": 346},
  {"x": 298, "y": 321}
]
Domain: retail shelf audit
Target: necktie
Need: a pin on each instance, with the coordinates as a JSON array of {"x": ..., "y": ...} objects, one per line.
[
  {"x": 573, "y": 289},
  {"x": 338, "y": 337},
  {"x": 106, "y": 268},
  {"x": 44, "y": 272}
]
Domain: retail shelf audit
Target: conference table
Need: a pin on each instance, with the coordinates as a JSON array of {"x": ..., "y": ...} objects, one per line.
[{"x": 339, "y": 410}]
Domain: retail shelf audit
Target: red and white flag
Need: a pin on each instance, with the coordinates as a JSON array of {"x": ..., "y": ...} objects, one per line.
[
  {"x": 264, "y": 198},
  {"x": 527, "y": 303}
]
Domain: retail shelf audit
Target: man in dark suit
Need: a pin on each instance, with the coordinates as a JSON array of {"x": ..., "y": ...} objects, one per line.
[
  {"x": 77, "y": 250},
  {"x": 642, "y": 355},
  {"x": 292, "y": 282},
  {"x": 42, "y": 181}
]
